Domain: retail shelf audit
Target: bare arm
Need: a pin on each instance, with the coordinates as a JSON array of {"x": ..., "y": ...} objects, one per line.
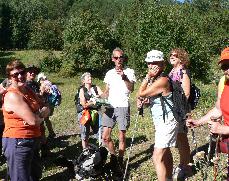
[
  {"x": 105, "y": 92},
  {"x": 214, "y": 112},
  {"x": 15, "y": 102},
  {"x": 129, "y": 84},
  {"x": 186, "y": 84},
  {"x": 161, "y": 85}
]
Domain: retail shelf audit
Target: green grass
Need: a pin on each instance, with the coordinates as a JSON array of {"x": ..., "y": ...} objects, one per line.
[{"x": 68, "y": 142}]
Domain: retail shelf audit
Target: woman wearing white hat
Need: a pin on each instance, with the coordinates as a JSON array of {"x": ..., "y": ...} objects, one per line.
[{"x": 154, "y": 86}]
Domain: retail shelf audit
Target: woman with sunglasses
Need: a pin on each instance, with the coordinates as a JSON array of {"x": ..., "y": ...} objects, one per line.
[
  {"x": 23, "y": 113},
  {"x": 222, "y": 105},
  {"x": 156, "y": 86},
  {"x": 179, "y": 60}
]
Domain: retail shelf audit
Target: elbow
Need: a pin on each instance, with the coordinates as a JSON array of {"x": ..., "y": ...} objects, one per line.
[{"x": 187, "y": 96}]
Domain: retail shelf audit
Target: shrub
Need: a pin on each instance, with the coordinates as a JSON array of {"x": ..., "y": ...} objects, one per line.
[
  {"x": 46, "y": 34},
  {"x": 88, "y": 43},
  {"x": 51, "y": 63}
]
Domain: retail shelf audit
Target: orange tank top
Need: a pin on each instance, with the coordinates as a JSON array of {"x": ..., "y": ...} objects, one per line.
[
  {"x": 15, "y": 127},
  {"x": 224, "y": 105}
]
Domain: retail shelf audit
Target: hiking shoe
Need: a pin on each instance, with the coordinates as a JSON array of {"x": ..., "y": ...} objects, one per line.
[
  {"x": 116, "y": 170},
  {"x": 51, "y": 136},
  {"x": 180, "y": 173}
]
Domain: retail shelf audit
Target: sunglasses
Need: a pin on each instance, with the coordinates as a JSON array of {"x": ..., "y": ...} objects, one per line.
[
  {"x": 225, "y": 67},
  {"x": 155, "y": 63},
  {"x": 16, "y": 74},
  {"x": 174, "y": 55},
  {"x": 120, "y": 58}
]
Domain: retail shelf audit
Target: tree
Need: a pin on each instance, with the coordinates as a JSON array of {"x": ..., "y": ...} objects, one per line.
[{"x": 87, "y": 43}]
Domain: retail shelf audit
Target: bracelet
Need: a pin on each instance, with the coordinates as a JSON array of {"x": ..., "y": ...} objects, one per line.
[{"x": 124, "y": 77}]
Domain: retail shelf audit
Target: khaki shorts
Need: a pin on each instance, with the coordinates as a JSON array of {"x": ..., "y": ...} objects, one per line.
[
  {"x": 166, "y": 133},
  {"x": 121, "y": 115}
]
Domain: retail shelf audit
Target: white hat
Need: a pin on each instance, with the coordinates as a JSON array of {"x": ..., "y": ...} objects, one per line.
[
  {"x": 154, "y": 56},
  {"x": 41, "y": 76}
]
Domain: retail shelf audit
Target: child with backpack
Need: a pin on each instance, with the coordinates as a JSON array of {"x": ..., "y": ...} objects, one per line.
[{"x": 87, "y": 108}]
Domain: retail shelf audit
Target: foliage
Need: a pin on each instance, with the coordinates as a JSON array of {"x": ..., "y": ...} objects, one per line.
[
  {"x": 88, "y": 43},
  {"x": 51, "y": 63},
  {"x": 46, "y": 34},
  {"x": 24, "y": 12},
  {"x": 163, "y": 27},
  {"x": 5, "y": 30}
]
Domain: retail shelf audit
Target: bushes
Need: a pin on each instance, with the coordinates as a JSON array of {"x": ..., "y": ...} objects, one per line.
[
  {"x": 88, "y": 43},
  {"x": 46, "y": 34},
  {"x": 51, "y": 63}
]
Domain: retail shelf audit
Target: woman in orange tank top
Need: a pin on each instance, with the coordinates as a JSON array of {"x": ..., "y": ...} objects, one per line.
[{"x": 23, "y": 113}]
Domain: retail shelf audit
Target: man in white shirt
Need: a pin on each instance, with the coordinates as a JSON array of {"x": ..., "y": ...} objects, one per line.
[{"x": 119, "y": 84}]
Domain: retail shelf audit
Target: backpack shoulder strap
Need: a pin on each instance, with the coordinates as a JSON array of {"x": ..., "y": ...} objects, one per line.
[
  {"x": 221, "y": 84},
  {"x": 95, "y": 89}
]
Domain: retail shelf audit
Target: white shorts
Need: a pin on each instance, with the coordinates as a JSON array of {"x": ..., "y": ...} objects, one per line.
[{"x": 166, "y": 132}]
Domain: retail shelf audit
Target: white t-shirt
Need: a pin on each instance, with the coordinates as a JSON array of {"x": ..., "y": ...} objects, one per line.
[{"x": 118, "y": 92}]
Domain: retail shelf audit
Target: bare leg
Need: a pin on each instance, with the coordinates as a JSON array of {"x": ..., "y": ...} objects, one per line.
[
  {"x": 107, "y": 139},
  {"x": 184, "y": 150},
  {"x": 163, "y": 162},
  {"x": 85, "y": 143},
  {"x": 122, "y": 143},
  {"x": 49, "y": 126}
]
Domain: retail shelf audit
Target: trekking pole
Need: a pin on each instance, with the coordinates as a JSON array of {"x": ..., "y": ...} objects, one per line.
[
  {"x": 215, "y": 160},
  {"x": 188, "y": 116},
  {"x": 140, "y": 112}
]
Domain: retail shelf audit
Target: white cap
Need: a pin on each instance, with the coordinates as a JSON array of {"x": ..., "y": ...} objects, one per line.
[
  {"x": 154, "y": 56},
  {"x": 41, "y": 76}
]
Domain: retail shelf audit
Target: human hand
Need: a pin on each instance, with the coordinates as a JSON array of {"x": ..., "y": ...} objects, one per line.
[
  {"x": 44, "y": 112},
  {"x": 191, "y": 123},
  {"x": 215, "y": 127},
  {"x": 153, "y": 71},
  {"x": 141, "y": 101}
]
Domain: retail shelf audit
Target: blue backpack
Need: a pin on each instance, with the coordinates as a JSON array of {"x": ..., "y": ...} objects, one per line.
[{"x": 55, "y": 97}]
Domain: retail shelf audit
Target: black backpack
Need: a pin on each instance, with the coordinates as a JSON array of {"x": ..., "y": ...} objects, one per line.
[
  {"x": 180, "y": 103},
  {"x": 91, "y": 162},
  {"x": 79, "y": 107},
  {"x": 194, "y": 96}
]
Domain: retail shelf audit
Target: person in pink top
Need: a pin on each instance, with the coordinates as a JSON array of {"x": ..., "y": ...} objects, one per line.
[{"x": 179, "y": 59}]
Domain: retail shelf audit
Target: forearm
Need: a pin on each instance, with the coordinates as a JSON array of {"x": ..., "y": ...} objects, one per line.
[
  {"x": 129, "y": 84},
  {"x": 143, "y": 88},
  {"x": 212, "y": 113}
]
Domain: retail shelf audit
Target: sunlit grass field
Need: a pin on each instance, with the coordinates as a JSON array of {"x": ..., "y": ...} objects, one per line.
[{"x": 68, "y": 141}]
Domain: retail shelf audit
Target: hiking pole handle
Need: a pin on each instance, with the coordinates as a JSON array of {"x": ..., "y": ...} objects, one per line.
[{"x": 141, "y": 111}]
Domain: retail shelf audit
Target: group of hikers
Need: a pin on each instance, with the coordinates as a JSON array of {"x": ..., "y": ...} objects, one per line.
[{"x": 25, "y": 112}]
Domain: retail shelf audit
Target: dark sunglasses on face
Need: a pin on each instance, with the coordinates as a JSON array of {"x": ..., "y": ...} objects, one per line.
[
  {"x": 155, "y": 63},
  {"x": 225, "y": 67},
  {"x": 174, "y": 55},
  {"x": 121, "y": 58},
  {"x": 15, "y": 75}
]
